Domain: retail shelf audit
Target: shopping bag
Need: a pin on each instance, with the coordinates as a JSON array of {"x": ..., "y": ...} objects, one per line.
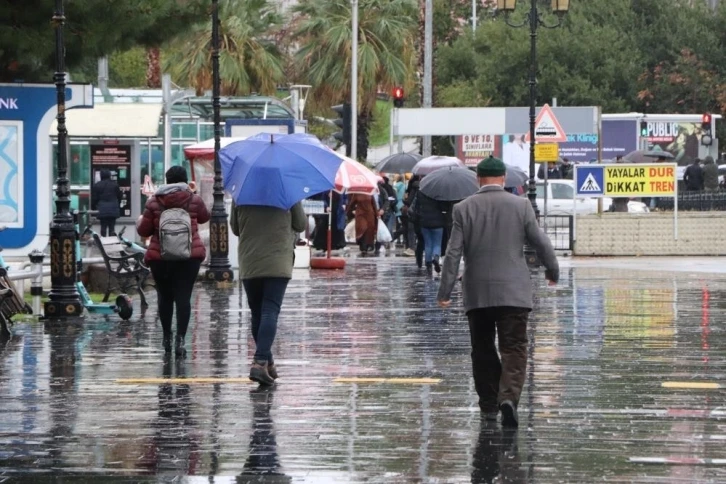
[
  {"x": 384, "y": 235},
  {"x": 311, "y": 224},
  {"x": 350, "y": 232}
]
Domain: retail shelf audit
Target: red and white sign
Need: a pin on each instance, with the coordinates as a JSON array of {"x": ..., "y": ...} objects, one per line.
[
  {"x": 546, "y": 127},
  {"x": 353, "y": 177}
]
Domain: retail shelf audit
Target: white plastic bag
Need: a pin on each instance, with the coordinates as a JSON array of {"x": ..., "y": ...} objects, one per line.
[
  {"x": 384, "y": 235},
  {"x": 311, "y": 224},
  {"x": 350, "y": 232}
]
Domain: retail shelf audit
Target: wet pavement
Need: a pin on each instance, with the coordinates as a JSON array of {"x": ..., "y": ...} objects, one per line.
[{"x": 625, "y": 384}]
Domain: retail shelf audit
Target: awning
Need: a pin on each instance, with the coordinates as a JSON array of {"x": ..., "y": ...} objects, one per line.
[{"x": 110, "y": 120}]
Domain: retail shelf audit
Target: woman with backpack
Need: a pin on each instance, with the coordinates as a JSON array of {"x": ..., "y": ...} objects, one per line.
[{"x": 171, "y": 218}]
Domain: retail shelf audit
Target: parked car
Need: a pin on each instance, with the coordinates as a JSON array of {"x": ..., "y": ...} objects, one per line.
[{"x": 561, "y": 201}]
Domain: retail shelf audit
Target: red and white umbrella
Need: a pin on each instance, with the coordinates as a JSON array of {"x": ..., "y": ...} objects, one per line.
[
  {"x": 354, "y": 177},
  {"x": 204, "y": 150}
]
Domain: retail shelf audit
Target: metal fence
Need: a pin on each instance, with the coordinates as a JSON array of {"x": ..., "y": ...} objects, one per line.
[
  {"x": 560, "y": 230},
  {"x": 695, "y": 201}
]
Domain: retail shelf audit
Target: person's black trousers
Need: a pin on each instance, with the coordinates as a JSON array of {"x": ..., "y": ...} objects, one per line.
[
  {"x": 108, "y": 226},
  {"x": 174, "y": 284},
  {"x": 498, "y": 380}
]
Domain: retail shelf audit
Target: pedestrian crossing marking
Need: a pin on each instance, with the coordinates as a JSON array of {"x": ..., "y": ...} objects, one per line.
[
  {"x": 590, "y": 184},
  {"x": 692, "y": 385}
]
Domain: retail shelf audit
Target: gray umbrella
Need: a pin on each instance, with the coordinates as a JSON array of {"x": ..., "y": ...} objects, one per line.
[
  {"x": 449, "y": 184},
  {"x": 398, "y": 163},
  {"x": 640, "y": 156},
  {"x": 515, "y": 177},
  {"x": 433, "y": 163}
]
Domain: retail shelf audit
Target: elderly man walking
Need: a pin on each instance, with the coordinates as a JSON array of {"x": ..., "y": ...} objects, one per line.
[{"x": 490, "y": 229}]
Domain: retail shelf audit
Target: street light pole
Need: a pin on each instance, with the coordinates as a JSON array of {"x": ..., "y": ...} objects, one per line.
[
  {"x": 219, "y": 268},
  {"x": 354, "y": 83},
  {"x": 533, "y": 21},
  {"x": 64, "y": 300}
]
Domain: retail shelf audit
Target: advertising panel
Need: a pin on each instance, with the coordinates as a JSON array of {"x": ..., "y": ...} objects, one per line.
[
  {"x": 116, "y": 159},
  {"x": 471, "y": 149}
]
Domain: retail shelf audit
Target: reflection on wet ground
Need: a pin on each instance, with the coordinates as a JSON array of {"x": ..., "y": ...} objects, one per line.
[{"x": 97, "y": 398}]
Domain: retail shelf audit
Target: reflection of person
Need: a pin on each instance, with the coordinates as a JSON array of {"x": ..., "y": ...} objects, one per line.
[
  {"x": 496, "y": 458},
  {"x": 263, "y": 463},
  {"x": 710, "y": 175},
  {"x": 490, "y": 231},
  {"x": 174, "y": 278},
  {"x": 105, "y": 197},
  {"x": 266, "y": 252}
]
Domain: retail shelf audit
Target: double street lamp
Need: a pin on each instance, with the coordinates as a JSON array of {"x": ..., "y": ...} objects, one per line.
[
  {"x": 219, "y": 268},
  {"x": 534, "y": 20}
]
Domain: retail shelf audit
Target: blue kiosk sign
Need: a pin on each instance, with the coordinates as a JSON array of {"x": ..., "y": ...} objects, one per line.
[{"x": 27, "y": 112}]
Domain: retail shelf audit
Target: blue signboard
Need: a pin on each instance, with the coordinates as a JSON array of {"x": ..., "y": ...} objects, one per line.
[
  {"x": 27, "y": 112},
  {"x": 590, "y": 180}
]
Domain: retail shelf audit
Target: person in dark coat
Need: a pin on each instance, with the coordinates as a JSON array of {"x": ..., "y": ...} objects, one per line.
[
  {"x": 431, "y": 217},
  {"x": 105, "y": 197},
  {"x": 710, "y": 175},
  {"x": 693, "y": 177},
  {"x": 174, "y": 278},
  {"x": 553, "y": 173},
  {"x": 320, "y": 237},
  {"x": 363, "y": 207}
]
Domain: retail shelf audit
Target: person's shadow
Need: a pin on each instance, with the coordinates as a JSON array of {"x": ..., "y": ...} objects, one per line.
[
  {"x": 496, "y": 458},
  {"x": 263, "y": 463}
]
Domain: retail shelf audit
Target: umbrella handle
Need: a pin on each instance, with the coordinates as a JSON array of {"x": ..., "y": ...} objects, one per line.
[{"x": 330, "y": 224}]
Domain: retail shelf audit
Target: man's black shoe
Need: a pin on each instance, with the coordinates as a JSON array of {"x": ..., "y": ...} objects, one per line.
[
  {"x": 510, "y": 418},
  {"x": 437, "y": 265}
]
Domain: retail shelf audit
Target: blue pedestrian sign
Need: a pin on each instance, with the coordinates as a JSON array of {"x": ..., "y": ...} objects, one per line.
[{"x": 590, "y": 181}]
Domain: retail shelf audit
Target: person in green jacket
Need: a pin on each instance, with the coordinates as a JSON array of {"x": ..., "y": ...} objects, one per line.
[{"x": 266, "y": 253}]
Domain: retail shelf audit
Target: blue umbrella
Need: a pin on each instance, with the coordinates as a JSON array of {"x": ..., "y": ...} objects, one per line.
[{"x": 278, "y": 170}]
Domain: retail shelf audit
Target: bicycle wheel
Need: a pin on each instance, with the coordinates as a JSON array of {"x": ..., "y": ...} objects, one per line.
[{"x": 124, "y": 307}]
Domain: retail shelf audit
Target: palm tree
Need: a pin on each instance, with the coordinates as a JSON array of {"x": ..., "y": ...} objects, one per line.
[
  {"x": 386, "y": 52},
  {"x": 249, "y": 60}
]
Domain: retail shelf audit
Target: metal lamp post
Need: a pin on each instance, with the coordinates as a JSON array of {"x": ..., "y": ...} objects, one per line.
[
  {"x": 64, "y": 298},
  {"x": 533, "y": 20},
  {"x": 219, "y": 268}
]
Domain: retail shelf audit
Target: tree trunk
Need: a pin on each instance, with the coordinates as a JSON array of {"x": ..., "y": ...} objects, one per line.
[{"x": 153, "y": 68}]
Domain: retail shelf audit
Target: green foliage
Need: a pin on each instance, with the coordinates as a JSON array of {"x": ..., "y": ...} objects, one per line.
[
  {"x": 380, "y": 132},
  {"x": 127, "y": 69},
  {"x": 93, "y": 28},
  {"x": 249, "y": 59},
  {"x": 386, "y": 51}
]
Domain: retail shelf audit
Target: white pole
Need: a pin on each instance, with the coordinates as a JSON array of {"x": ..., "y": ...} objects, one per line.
[
  {"x": 428, "y": 67},
  {"x": 354, "y": 85},
  {"x": 473, "y": 15},
  {"x": 675, "y": 204},
  {"x": 166, "y": 95}
]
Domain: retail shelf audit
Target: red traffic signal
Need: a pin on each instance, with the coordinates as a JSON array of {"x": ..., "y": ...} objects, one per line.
[
  {"x": 398, "y": 97},
  {"x": 706, "y": 119},
  {"x": 706, "y": 123}
]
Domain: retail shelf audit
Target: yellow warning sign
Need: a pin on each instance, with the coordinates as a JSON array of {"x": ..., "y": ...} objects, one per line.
[
  {"x": 640, "y": 180},
  {"x": 546, "y": 152}
]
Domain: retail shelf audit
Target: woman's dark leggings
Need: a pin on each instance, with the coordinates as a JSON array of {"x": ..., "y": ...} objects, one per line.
[{"x": 174, "y": 284}]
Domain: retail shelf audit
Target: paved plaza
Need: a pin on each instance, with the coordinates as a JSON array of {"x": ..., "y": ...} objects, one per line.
[{"x": 624, "y": 384}]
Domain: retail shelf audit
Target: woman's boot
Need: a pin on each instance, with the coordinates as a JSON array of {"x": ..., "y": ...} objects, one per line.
[
  {"x": 260, "y": 374},
  {"x": 166, "y": 342},
  {"x": 179, "y": 346}
]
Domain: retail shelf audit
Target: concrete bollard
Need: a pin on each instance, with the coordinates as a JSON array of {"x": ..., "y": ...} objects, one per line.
[{"x": 36, "y": 286}]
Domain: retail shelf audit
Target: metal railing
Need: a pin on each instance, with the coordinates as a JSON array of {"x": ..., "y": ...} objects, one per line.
[
  {"x": 560, "y": 230},
  {"x": 703, "y": 201}
]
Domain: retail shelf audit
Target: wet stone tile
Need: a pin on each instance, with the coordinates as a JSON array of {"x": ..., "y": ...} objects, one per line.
[{"x": 594, "y": 408}]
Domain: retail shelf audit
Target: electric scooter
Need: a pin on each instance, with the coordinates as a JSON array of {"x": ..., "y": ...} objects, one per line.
[
  {"x": 123, "y": 306},
  {"x": 133, "y": 247},
  {"x": 11, "y": 301}
]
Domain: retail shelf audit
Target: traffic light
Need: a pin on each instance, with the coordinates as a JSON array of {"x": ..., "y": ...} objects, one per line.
[
  {"x": 344, "y": 114},
  {"x": 707, "y": 137},
  {"x": 398, "y": 97},
  {"x": 644, "y": 128}
]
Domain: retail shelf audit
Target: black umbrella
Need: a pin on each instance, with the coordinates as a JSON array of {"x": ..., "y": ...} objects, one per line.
[
  {"x": 641, "y": 156},
  {"x": 449, "y": 184},
  {"x": 398, "y": 163},
  {"x": 515, "y": 177}
]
